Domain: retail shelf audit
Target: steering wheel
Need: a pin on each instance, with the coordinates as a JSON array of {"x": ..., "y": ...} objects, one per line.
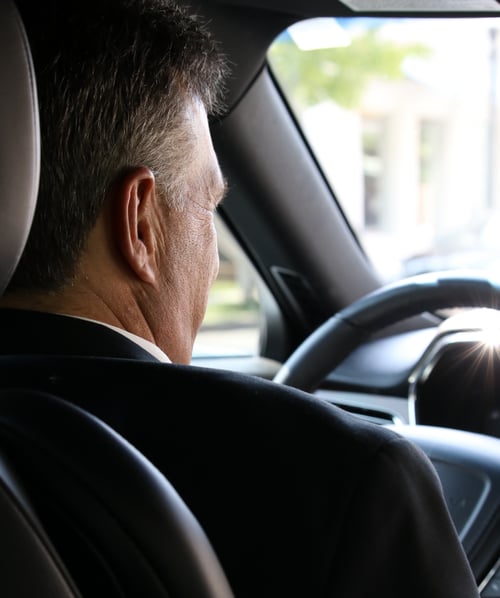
[{"x": 337, "y": 337}]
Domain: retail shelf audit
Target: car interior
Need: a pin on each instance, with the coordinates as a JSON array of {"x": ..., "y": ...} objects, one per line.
[{"x": 410, "y": 342}]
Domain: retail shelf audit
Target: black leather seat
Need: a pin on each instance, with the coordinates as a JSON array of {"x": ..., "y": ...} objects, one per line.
[
  {"x": 109, "y": 520},
  {"x": 82, "y": 512},
  {"x": 29, "y": 564}
]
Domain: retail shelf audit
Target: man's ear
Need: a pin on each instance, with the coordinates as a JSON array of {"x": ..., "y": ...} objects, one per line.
[{"x": 133, "y": 213}]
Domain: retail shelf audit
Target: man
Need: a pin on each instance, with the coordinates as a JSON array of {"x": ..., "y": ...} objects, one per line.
[
  {"x": 152, "y": 171},
  {"x": 297, "y": 497}
]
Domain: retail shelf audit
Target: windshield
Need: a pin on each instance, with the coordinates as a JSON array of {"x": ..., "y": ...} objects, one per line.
[{"x": 403, "y": 116}]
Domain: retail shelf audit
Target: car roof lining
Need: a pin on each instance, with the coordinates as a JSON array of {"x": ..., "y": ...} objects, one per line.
[{"x": 340, "y": 7}]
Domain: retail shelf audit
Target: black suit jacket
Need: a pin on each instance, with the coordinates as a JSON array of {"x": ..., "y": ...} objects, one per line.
[{"x": 299, "y": 498}]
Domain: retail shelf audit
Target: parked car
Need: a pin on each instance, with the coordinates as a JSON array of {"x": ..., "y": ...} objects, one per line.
[{"x": 361, "y": 144}]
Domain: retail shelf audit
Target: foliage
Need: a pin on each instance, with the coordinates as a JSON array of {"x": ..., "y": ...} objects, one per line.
[{"x": 341, "y": 73}]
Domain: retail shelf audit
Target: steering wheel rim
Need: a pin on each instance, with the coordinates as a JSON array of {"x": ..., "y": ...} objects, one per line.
[{"x": 323, "y": 350}]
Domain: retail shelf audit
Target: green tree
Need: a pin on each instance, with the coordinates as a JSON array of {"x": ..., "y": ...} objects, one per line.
[{"x": 341, "y": 73}]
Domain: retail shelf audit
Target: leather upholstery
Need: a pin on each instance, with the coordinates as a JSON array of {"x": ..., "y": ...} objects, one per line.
[
  {"x": 29, "y": 565},
  {"x": 28, "y": 562},
  {"x": 20, "y": 140},
  {"x": 117, "y": 523}
]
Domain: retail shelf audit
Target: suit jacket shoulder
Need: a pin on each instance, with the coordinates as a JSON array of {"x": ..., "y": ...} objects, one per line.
[{"x": 298, "y": 497}]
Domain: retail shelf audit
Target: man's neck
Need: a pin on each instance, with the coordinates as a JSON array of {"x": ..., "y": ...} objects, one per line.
[{"x": 82, "y": 306}]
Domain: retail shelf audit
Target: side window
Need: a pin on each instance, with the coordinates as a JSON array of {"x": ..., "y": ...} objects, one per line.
[{"x": 232, "y": 322}]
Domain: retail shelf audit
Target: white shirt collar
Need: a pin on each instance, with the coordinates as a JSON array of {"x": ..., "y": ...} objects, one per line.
[{"x": 145, "y": 344}]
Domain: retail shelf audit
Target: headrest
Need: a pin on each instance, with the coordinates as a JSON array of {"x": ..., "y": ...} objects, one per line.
[{"x": 19, "y": 141}]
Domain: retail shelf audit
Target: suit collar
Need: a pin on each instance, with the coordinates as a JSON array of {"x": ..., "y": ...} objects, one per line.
[{"x": 33, "y": 332}]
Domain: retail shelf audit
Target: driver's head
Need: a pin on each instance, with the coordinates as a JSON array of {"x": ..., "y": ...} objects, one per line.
[{"x": 129, "y": 179}]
